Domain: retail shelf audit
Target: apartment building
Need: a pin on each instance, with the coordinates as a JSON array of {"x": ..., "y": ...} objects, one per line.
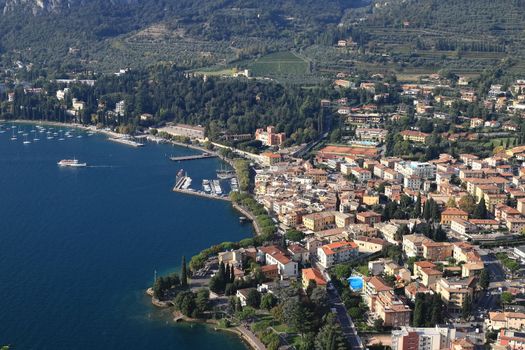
[
  {"x": 413, "y": 244},
  {"x": 454, "y": 291},
  {"x": 335, "y": 253},
  {"x": 412, "y": 338}
]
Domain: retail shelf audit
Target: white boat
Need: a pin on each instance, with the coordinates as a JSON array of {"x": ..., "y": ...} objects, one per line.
[
  {"x": 26, "y": 141},
  {"x": 206, "y": 186},
  {"x": 216, "y": 187},
  {"x": 71, "y": 163}
]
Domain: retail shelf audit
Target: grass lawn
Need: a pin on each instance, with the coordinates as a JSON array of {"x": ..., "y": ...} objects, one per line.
[{"x": 279, "y": 63}]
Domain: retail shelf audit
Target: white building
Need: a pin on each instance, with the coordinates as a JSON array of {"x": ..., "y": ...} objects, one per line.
[
  {"x": 120, "y": 107},
  {"x": 335, "y": 253},
  {"x": 413, "y": 244},
  {"x": 426, "y": 338},
  {"x": 274, "y": 256},
  {"x": 416, "y": 169}
]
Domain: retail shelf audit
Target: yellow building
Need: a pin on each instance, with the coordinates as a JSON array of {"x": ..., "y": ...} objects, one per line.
[
  {"x": 454, "y": 291},
  {"x": 319, "y": 221}
]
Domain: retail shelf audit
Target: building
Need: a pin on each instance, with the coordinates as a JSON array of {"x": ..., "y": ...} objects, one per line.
[
  {"x": 414, "y": 136},
  {"x": 508, "y": 339},
  {"x": 184, "y": 130},
  {"x": 422, "y": 170},
  {"x": 383, "y": 303},
  {"x": 275, "y": 256},
  {"x": 452, "y": 213},
  {"x": 508, "y": 320},
  {"x": 335, "y": 253},
  {"x": 120, "y": 107},
  {"x": 413, "y": 244},
  {"x": 454, "y": 292},
  {"x": 326, "y": 220},
  {"x": 270, "y": 137},
  {"x": 371, "y": 134},
  {"x": 427, "y": 272},
  {"x": 437, "y": 251},
  {"x": 242, "y": 294},
  {"x": 411, "y": 338},
  {"x": 369, "y": 244},
  {"x": 462, "y": 226},
  {"x": 270, "y": 158},
  {"x": 368, "y": 217},
  {"x": 270, "y": 272},
  {"x": 312, "y": 274}
]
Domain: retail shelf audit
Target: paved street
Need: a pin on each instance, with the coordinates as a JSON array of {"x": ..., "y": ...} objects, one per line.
[{"x": 346, "y": 322}]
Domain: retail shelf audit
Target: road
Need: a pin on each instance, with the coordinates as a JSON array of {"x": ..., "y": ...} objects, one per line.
[
  {"x": 346, "y": 322},
  {"x": 496, "y": 272}
]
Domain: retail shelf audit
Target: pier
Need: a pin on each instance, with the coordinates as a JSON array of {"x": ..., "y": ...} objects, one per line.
[
  {"x": 125, "y": 141},
  {"x": 201, "y": 194},
  {"x": 194, "y": 157}
]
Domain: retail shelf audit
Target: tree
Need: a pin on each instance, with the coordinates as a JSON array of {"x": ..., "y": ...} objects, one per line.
[
  {"x": 417, "y": 207},
  {"x": 481, "y": 210},
  {"x": 484, "y": 279},
  {"x": 506, "y": 298},
  {"x": 184, "y": 274},
  {"x": 466, "y": 309},
  {"x": 253, "y": 298},
  {"x": 467, "y": 203},
  {"x": 439, "y": 234},
  {"x": 330, "y": 336},
  {"x": 437, "y": 310},
  {"x": 294, "y": 235},
  {"x": 268, "y": 301},
  {"x": 418, "y": 319},
  {"x": 401, "y": 231},
  {"x": 451, "y": 203}
]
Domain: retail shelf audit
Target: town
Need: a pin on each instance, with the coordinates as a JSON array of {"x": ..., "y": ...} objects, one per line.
[{"x": 399, "y": 225}]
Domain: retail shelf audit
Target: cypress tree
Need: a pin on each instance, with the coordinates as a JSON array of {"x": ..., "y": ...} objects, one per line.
[
  {"x": 417, "y": 207},
  {"x": 184, "y": 273},
  {"x": 232, "y": 274},
  {"x": 481, "y": 210},
  {"x": 419, "y": 314}
]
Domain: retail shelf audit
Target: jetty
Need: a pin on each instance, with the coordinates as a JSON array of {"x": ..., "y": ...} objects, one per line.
[
  {"x": 194, "y": 157},
  {"x": 126, "y": 141},
  {"x": 201, "y": 194}
]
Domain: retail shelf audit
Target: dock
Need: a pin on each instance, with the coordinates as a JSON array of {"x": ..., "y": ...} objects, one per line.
[
  {"x": 126, "y": 141},
  {"x": 194, "y": 157},
  {"x": 201, "y": 194}
]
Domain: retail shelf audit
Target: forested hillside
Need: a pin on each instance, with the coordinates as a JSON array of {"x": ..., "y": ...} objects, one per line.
[{"x": 65, "y": 33}]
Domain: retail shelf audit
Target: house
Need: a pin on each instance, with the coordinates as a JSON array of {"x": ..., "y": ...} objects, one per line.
[
  {"x": 437, "y": 251},
  {"x": 412, "y": 289},
  {"x": 508, "y": 339},
  {"x": 509, "y": 320},
  {"x": 338, "y": 252},
  {"x": 270, "y": 158},
  {"x": 472, "y": 268},
  {"x": 368, "y": 217},
  {"x": 242, "y": 294},
  {"x": 270, "y": 272},
  {"x": 413, "y": 244},
  {"x": 462, "y": 226},
  {"x": 427, "y": 272},
  {"x": 312, "y": 274},
  {"x": 369, "y": 244},
  {"x": 452, "y": 213},
  {"x": 270, "y": 137},
  {"x": 299, "y": 253},
  {"x": 414, "y": 136},
  {"x": 275, "y": 256}
]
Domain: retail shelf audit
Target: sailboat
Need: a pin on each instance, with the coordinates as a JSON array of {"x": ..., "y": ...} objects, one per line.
[
  {"x": 61, "y": 137},
  {"x": 26, "y": 141},
  {"x": 34, "y": 137}
]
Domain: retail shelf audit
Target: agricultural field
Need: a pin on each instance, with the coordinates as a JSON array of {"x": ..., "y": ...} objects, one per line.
[{"x": 280, "y": 63}]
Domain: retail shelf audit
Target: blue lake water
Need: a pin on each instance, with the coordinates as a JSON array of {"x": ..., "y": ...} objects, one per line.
[{"x": 78, "y": 247}]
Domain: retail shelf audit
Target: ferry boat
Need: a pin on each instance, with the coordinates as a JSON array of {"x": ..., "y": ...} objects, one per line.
[{"x": 71, "y": 163}]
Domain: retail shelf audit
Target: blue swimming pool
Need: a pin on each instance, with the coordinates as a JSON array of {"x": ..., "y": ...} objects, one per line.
[{"x": 355, "y": 283}]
